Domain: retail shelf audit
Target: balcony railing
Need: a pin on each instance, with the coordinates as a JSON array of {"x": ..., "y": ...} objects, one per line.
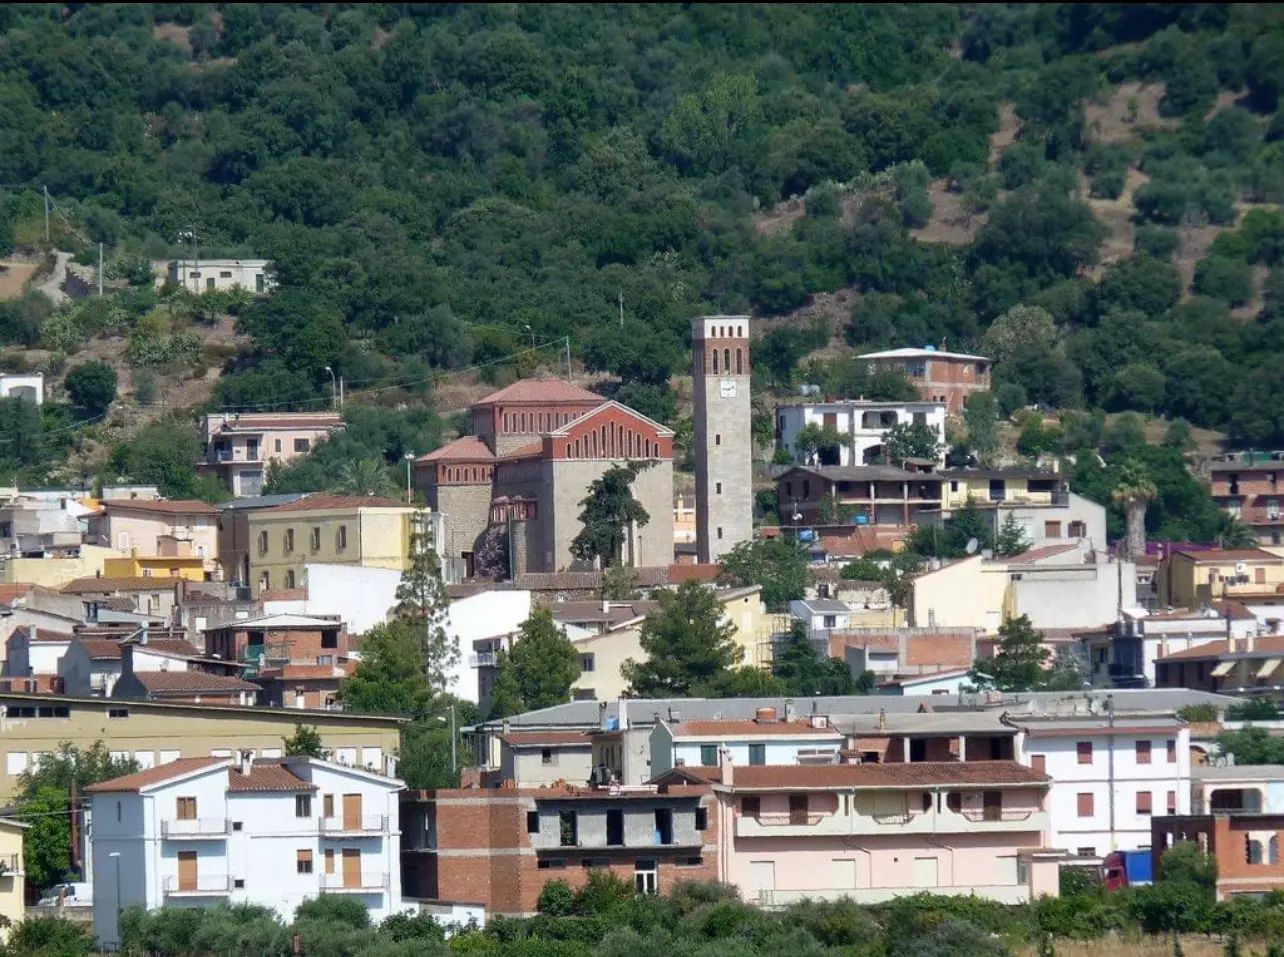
[
  {"x": 190, "y": 828},
  {"x": 482, "y": 659},
  {"x": 204, "y": 885},
  {"x": 365, "y": 883},
  {"x": 977, "y": 820},
  {"x": 365, "y": 824},
  {"x": 10, "y": 865},
  {"x": 997, "y": 813}
]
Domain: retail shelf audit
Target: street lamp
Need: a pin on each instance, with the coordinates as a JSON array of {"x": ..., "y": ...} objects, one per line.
[
  {"x": 408, "y": 457},
  {"x": 532, "y": 332},
  {"x": 334, "y": 388}
]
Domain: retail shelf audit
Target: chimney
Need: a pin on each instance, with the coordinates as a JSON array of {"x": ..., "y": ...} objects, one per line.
[
  {"x": 624, "y": 714},
  {"x": 724, "y": 765},
  {"x": 33, "y": 633},
  {"x": 674, "y": 715},
  {"x": 247, "y": 762},
  {"x": 601, "y": 717},
  {"x": 142, "y": 635},
  {"x": 882, "y": 719},
  {"x": 791, "y": 713},
  {"x": 606, "y": 607},
  {"x": 505, "y": 726}
]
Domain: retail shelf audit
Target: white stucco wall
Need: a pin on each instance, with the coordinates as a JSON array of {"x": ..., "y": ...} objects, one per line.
[{"x": 487, "y": 615}]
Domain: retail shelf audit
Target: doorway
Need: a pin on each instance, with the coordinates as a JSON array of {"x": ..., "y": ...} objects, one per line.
[
  {"x": 187, "y": 870},
  {"x": 351, "y": 867},
  {"x": 352, "y": 812}
]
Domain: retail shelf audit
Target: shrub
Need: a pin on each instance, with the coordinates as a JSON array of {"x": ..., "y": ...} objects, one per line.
[
  {"x": 92, "y": 386},
  {"x": 556, "y": 899},
  {"x": 335, "y": 908},
  {"x": 1223, "y": 278}
]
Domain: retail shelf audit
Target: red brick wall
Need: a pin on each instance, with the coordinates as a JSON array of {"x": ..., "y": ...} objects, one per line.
[
  {"x": 623, "y": 433},
  {"x": 950, "y": 651}
]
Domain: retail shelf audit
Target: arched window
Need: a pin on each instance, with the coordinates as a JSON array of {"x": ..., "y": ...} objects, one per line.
[
  {"x": 506, "y": 428},
  {"x": 726, "y": 360},
  {"x": 740, "y": 332},
  {"x": 577, "y": 448},
  {"x": 1252, "y": 850},
  {"x": 1273, "y": 850},
  {"x": 715, "y": 361},
  {"x": 523, "y": 421},
  {"x": 740, "y": 368}
]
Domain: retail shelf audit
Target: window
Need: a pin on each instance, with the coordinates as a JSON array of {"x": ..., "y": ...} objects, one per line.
[
  {"x": 757, "y": 754},
  {"x": 263, "y": 542},
  {"x": 1143, "y": 752},
  {"x": 1039, "y": 762},
  {"x": 1085, "y": 752},
  {"x": 1172, "y": 752},
  {"x": 1085, "y": 851},
  {"x": 1252, "y": 850},
  {"x": 546, "y": 756},
  {"x": 1143, "y": 802},
  {"x": 1051, "y": 529},
  {"x": 118, "y": 712},
  {"x": 238, "y": 826},
  {"x": 829, "y": 621},
  {"x": 719, "y": 533},
  {"x": 532, "y": 822},
  {"x": 586, "y": 663},
  {"x": 303, "y": 861},
  {"x": 750, "y": 806},
  {"x": 185, "y": 809},
  {"x": 717, "y": 488},
  {"x": 289, "y": 540},
  {"x": 1172, "y": 802},
  {"x": 289, "y": 578},
  {"x": 316, "y": 538},
  {"x": 569, "y": 826},
  {"x": 552, "y": 864},
  {"x": 301, "y": 445},
  {"x": 591, "y": 862},
  {"x": 645, "y": 879},
  {"x": 708, "y": 755},
  {"x": 702, "y": 819},
  {"x": 341, "y": 537},
  {"x": 1085, "y": 804},
  {"x": 303, "y": 805},
  {"x": 717, "y": 438}
]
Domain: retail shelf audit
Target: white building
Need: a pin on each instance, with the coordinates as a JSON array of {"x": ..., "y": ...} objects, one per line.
[
  {"x": 491, "y": 614},
  {"x": 862, "y": 423},
  {"x": 763, "y": 740},
  {"x": 823, "y": 615},
  {"x": 200, "y": 831},
  {"x": 1109, "y": 778},
  {"x": 1124, "y": 654},
  {"x": 23, "y": 386},
  {"x": 221, "y": 275}
]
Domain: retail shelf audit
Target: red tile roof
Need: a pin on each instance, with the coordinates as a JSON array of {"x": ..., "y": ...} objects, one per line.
[
  {"x": 306, "y": 672},
  {"x": 1264, "y": 647},
  {"x": 324, "y": 500},
  {"x": 1221, "y": 556},
  {"x": 150, "y": 776},
  {"x": 525, "y": 451},
  {"x": 267, "y": 777},
  {"x": 191, "y": 682},
  {"x": 749, "y": 728},
  {"x": 693, "y": 573},
  {"x": 1039, "y": 554},
  {"x": 11, "y": 593},
  {"x": 42, "y": 634},
  {"x": 467, "y": 448},
  {"x": 104, "y": 586},
  {"x": 537, "y": 739},
  {"x": 917, "y": 775},
  {"x": 539, "y": 391},
  {"x": 188, "y": 506},
  {"x": 105, "y": 648}
]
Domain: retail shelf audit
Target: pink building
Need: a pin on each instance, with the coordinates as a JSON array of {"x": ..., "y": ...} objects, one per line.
[
  {"x": 238, "y": 446},
  {"x": 871, "y": 832}
]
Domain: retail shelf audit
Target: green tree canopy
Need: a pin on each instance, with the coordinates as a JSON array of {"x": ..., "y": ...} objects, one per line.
[
  {"x": 778, "y": 564},
  {"x": 609, "y": 511},
  {"x": 688, "y": 643},
  {"x": 541, "y": 666}
]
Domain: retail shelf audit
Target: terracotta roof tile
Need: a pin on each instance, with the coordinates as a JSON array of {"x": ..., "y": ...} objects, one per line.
[
  {"x": 1039, "y": 554},
  {"x": 919, "y": 774},
  {"x": 156, "y": 775},
  {"x": 693, "y": 573},
  {"x": 267, "y": 777},
  {"x": 749, "y": 728},
  {"x": 324, "y": 500},
  {"x": 188, "y": 506},
  {"x": 525, "y": 451},
  {"x": 306, "y": 672},
  {"x": 467, "y": 448},
  {"x": 536, "y": 739},
  {"x": 42, "y": 634},
  {"x": 106, "y": 648},
  {"x": 573, "y": 611},
  {"x": 1220, "y": 555},
  {"x": 1262, "y": 647},
  {"x": 11, "y": 593},
  {"x": 191, "y": 682},
  {"x": 104, "y": 586},
  {"x": 540, "y": 391}
]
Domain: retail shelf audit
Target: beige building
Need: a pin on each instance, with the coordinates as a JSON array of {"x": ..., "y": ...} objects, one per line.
[
  {"x": 1191, "y": 579},
  {"x": 56, "y": 572},
  {"x": 332, "y": 529},
  {"x": 968, "y": 593},
  {"x": 151, "y": 595},
  {"x": 176, "y": 528},
  {"x": 238, "y": 447},
  {"x": 13, "y": 885},
  {"x": 154, "y": 733}
]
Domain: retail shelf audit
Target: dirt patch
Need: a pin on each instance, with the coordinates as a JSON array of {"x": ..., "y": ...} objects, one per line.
[
  {"x": 179, "y": 36},
  {"x": 781, "y": 217},
  {"x": 1207, "y": 441},
  {"x": 1116, "y": 215},
  {"x": 1111, "y": 121},
  {"x": 835, "y": 308},
  {"x": 14, "y": 277},
  {"x": 1250, "y": 309},
  {"x": 1191, "y": 945},
  {"x": 1225, "y": 100},
  {"x": 379, "y": 39},
  {"x": 950, "y": 221},
  {"x": 1006, "y": 134}
]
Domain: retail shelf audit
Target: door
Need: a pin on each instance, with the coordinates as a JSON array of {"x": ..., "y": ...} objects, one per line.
[
  {"x": 187, "y": 870},
  {"x": 351, "y": 867},
  {"x": 352, "y": 812},
  {"x": 844, "y": 873},
  {"x": 329, "y": 860},
  {"x": 327, "y": 805},
  {"x": 925, "y": 872},
  {"x": 762, "y": 878},
  {"x": 797, "y": 809},
  {"x": 992, "y": 803}
]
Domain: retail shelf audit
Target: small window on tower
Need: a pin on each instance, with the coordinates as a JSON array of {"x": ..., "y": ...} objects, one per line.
[
  {"x": 718, "y": 488},
  {"x": 717, "y": 438},
  {"x": 740, "y": 365},
  {"x": 719, "y": 533}
]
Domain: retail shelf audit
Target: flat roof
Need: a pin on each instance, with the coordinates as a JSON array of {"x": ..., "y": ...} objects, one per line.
[
  {"x": 1235, "y": 772},
  {"x": 290, "y": 715}
]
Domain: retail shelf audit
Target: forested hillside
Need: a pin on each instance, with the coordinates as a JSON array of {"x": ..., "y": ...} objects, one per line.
[{"x": 442, "y": 185}]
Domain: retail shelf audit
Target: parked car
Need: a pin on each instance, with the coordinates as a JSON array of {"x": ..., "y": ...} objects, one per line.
[{"x": 76, "y": 894}]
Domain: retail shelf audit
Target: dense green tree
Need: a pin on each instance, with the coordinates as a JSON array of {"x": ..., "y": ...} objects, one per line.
[
  {"x": 911, "y": 440},
  {"x": 609, "y": 511},
  {"x": 543, "y": 664},
  {"x": 1011, "y": 539},
  {"x": 92, "y": 386},
  {"x": 391, "y": 677},
  {"x": 163, "y": 453},
  {"x": 688, "y": 643},
  {"x": 981, "y": 416},
  {"x": 422, "y": 603},
  {"x": 1222, "y": 278},
  {"x": 305, "y": 742},
  {"x": 778, "y": 564},
  {"x": 1020, "y": 663},
  {"x": 804, "y": 671}
]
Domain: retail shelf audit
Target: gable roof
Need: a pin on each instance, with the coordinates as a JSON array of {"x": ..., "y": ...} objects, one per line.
[
  {"x": 191, "y": 682},
  {"x": 525, "y": 451},
  {"x": 1033, "y": 555},
  {"x": 325, "y": 500},
  {"x": 466, "y": 448},
  {"x": 42, "y": 634},
  {"x": 803, "y": 777},
  {"x": 540, "y": 391},
  {"x": 157, "y": 775},
  {"x": 275, "y": 621},
  {"x": 1222, "y": 555},
  {"x": 1262, "y": 648},
  {"x": 267, "y": 776},
  {"x": 611, "y": 404},
  {"x": 749, "y": 728},
  {"x": 95, "y": 586},
  {"x": 180, "y": 506}
]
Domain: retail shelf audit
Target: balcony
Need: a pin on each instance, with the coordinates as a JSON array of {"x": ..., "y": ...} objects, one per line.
[
  {"x": 366, "y": 824},
  {"x": 363, "y": 883},
  {"x": 968, "y": 821},
  {"x": 482, "y": 659},
  {"x": 1002, "y": 893},
  {"x": 10, "y": 865},
  {"x": 195, "y": 829},
  {"x": 204, "y": 885}
]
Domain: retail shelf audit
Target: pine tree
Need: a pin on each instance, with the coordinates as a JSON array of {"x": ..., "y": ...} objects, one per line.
[
  {"x": 1019, "y": 662},
  {"x": 305, "y": 743},
  {"x": 1011, "y": 539},
  {"x": 422, "y": 603},
  {"x": 688, "y": 643},
  {"x": 506, "y": 694},
  {"x": 609, "y": 510},
  {"x": 544, "y": 662}
]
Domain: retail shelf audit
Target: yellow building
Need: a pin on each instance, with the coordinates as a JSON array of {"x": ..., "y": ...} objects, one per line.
[
  {"x": 968, "y": 593},
  {"x": 335, "y": 529},
  {"x": 188, "y": 567},
  {"x": 1191, "y": 579},
  {"x": 154, "y": 732},
  {"x": 984, "y": 486},
  {"x": 56, "y": 572},
  {"x": 13, "y": 885}
]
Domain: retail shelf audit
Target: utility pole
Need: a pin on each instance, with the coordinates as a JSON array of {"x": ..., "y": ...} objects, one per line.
[
  {"x": 621, "y": 308},
  {"x": 100, "y": 269},
  {"x": 568, "y": 358},
  {"x": 46, "y": 214}
]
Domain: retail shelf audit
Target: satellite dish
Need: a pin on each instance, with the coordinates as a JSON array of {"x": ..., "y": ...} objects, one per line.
[{"x": 972, "y": 546}]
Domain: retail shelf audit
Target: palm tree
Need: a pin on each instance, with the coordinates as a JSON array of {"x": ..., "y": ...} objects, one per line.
[
  {"x": 368, "y": 477},
  {"x": 1236, "y": 533},
  {"x": 1134, "y": 490}
]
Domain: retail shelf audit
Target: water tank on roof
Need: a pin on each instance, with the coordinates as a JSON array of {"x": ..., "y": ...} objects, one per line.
[
  {"x": 806, "y": 535},
  {"x": 929, "y": 348},
  {"x": 860, "y": 519}
]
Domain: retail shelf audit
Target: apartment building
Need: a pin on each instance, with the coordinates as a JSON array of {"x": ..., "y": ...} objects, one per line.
[
  {"x": 221, "y": 275},
  {"x": 1188, "y": 579},
  {"x": 499, "y": 847},
  {"x": 764, "y": 740},
  {"x": 1235, "y": 666},
  {"x": 874, "y": 832},
  {"x": 13, "y": 885},
  {"x": 1245, "y": 847},
  {"x": 272, "y": 833},
  {"x": 864, "y": 495},
  {"x": 323, "y": 528},
  {"x": 859, "y": 425},
  {"x": 154, "y": 733},
  {"x": 1237, "y": 789},
  {"x": 158, "y": 527},
  {"x": 92, "y": 666},
  {"x": 274, "y": 641},
  {"x": 1248, "y": 486},
  {"x": 1110, "y": 777},
  {"x": 38, "y": 526},
  {"x": 950, "y": 378},
  {"x": 240, "y": 446},
  {"x": 1125, "y": 654}
]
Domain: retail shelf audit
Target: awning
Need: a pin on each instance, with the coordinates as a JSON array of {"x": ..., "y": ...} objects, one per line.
[
  {"x": 1223, "y": 669},
  {"x": 1268, "y": 666}
]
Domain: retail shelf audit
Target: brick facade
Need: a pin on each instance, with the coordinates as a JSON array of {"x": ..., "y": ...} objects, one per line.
[
  {"x": 1240, "y": 843},
  {"x": 1254, "y": 491},
  {"x": 475, "y": 845},
  {"x": 938, "y": 375}
]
